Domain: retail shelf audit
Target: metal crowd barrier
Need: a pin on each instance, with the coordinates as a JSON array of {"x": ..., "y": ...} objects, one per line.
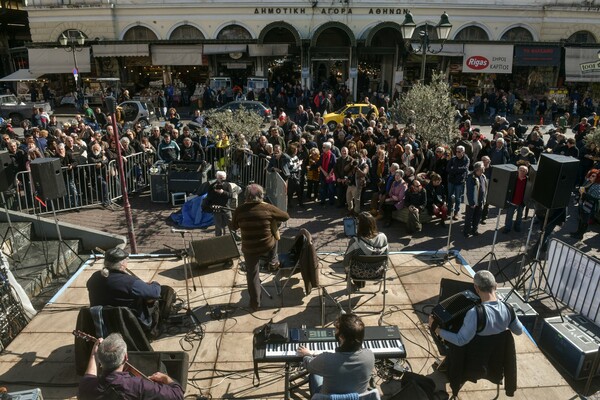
[
  {"x": 89, "y": 186},
  {"x": 86, "y": 186}
]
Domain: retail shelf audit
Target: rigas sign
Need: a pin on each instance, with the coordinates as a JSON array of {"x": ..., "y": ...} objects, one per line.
[{"x": 488, "y": 59}]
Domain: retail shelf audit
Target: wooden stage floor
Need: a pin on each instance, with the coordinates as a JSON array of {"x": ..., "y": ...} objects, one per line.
[{"x": 221, "y": 364}]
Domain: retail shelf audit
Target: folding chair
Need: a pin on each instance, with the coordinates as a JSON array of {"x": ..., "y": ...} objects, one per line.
[{"x": 363, "y": 268}]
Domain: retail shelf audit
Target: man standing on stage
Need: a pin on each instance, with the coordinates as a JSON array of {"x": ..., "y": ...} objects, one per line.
[
  {"x": 517, "y": 203},
  {"x": 256, "y": 220}
]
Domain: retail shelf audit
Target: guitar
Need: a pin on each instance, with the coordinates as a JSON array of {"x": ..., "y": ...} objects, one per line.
[
  {"x": 128, "y": 367},
  {"x": 274, "y": 224}
]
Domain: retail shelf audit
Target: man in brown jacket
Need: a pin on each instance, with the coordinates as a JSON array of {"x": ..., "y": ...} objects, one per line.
[{"x": 255, "y": 218}]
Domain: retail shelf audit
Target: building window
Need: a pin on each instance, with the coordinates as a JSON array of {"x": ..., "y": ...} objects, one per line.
[
  {"x": 582, "y": 37},
  {"x": 517, "y": 35},
  {"x": 72, "y": 34},
  {"x": 186, "y": 32},
  {"x": 233, "y": 32},
  {"x": 471, "y": 33},
  {"x": 139, "y": 33}
]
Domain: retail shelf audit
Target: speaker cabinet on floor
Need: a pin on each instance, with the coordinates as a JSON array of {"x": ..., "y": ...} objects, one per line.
[
  {"x": 215, "y": 251},
  {"x": 47, "y": 177},
  {"x": 502, "y": 184},
  {"x": 7, "y": 175},
  {"x": 555, "y": 180}
]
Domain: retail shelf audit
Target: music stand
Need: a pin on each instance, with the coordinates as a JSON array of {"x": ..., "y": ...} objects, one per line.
[
  {"x": 10, "y": 231},
  {"x": 187, "y": 269},
  {"x": 441, "y": 261}
]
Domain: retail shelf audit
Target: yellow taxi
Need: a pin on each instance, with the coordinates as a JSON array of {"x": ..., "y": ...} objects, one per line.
[{"x": 337, "y": 117}]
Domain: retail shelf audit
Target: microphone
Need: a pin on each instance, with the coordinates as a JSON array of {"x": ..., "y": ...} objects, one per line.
[{"x": 179, "y": 230}]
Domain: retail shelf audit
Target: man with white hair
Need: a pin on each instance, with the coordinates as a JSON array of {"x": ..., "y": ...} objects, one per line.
[
  {"x": 498, "y": 315},
  {"x": 216, "y": 201}
]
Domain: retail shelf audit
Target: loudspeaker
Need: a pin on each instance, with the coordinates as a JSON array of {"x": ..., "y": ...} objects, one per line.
[
  {"x": 173, "y": 363},
  {"x": 215, "y": 251},
  {"x": 531, "y": 176},
  {"x": 502, "y": 184},
  {"x": 47, "y": 177},
  {"x": 555, "y": 180},
  {"x": 7, "y": 174}
]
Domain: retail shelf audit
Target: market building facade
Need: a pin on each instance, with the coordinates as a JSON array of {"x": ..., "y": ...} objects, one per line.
[{"x": 534, "y": 46}]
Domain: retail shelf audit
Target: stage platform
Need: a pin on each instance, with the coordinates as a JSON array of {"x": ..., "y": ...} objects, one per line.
[{"x": 221, "y": 364}]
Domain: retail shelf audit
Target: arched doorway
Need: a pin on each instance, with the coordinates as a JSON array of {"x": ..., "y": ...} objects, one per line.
[
  {"x": 232, "y": 60},
  {"x": 333, "y": 57},
  {"x": 378, "y": 60}
]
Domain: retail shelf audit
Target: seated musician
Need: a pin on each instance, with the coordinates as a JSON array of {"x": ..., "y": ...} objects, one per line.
[
  {"x": 115, "y": 286},
  {"x": 116, "y": 382},
  {"x": 349, "y": 369},
  {"x": 497, "y": 314}
]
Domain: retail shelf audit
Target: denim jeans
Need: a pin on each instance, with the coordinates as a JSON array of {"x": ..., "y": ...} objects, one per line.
[
  {"x": 510, "y": 211},
  {"x": 315, "y": 382},
  {"x": 458, "y": 190}
]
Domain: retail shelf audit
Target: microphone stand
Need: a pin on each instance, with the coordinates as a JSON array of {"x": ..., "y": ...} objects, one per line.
[
  {"x": 187, "y": 269},
  {"x": 447, "y": 257}
]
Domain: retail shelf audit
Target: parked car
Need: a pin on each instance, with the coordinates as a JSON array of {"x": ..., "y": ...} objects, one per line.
[
  {"x": 137, "y": 111},
  {"x": 17, "y": 111},
  {"x": 256, "y": 106},
  {"x": 332, "y": 119}
]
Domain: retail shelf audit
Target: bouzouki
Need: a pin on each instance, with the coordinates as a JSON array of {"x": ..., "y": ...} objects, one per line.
[{"x": 128, "y": 367}]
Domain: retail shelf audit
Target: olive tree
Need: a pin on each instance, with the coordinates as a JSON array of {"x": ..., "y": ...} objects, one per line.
[
  {"x": 235, "y": 123},
  {"x": 429, "y": 107}
]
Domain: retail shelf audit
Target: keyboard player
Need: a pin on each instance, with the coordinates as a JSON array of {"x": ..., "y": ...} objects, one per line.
[{"x": 349, "y": 368}]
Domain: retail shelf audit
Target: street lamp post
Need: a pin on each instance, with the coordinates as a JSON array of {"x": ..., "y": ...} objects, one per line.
[
  {"x": 72, "y": 43},
  {"x": 443, "y": 29}
]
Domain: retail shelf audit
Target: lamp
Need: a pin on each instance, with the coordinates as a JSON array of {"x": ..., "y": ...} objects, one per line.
[
  {"x": 443, "y": 29},
  {"x": 70, "y": 44}
]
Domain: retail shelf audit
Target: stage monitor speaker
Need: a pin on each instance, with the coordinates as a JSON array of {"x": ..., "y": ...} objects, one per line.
[
  {"x": 502, "y": 184},
  {"x": 7, "y": 175},
  {"x": 529, "y": 202},
  {"x": 555, "y": 180},
  {"x": 215, "y": 251},
  {"x": 47, "y": 177},
  {"x": 173, "y": 363}
]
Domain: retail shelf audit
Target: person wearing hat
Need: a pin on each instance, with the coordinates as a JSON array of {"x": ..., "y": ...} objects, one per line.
[
  {"x": 115, "y": 286},
  {"x": 525, "y": 157}
]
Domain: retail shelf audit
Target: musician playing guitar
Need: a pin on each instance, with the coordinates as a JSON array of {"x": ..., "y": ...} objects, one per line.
[
  {"x": 117, "y": 383},
  {"x": 255, "y": 219},
  {"x": 113, "y": 286}
]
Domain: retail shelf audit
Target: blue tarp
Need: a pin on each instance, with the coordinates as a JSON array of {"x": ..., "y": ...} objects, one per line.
[{"x": 192, "y": 216}]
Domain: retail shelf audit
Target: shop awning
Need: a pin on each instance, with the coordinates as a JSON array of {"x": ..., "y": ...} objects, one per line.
[
  {"x": 121, "y": 50},
  {"x": 224, "y": 48},
  {"x": 582, "y": 64},
  {"x": 267, "y": 49},
  {"x": 56, "y": 60},
  {"x": 449, "y": 50},
  {"x": 177, "y": 54},
  {"x": 21, "y": 75}
]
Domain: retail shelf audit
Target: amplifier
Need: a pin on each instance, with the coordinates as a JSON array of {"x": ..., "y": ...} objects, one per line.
[
  {"x": 159, "y": 189},
  {"x": 572, "y": 342},
  {"x": 31, "y": 394},
  {"x": 527, "y": 315}
]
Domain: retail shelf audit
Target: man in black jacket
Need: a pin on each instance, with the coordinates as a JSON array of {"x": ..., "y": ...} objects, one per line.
[{"x": 457, "y": 169}]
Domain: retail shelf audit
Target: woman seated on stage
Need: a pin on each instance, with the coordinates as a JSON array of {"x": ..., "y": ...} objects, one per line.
[{"x": 368, "y": 241}]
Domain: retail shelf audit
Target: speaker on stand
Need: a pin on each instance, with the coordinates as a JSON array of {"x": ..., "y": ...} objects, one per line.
[
  {"x": 500, "y": 193},
  {"x": 49, "y": 183},
  {"x": 554, "y": 182}
]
